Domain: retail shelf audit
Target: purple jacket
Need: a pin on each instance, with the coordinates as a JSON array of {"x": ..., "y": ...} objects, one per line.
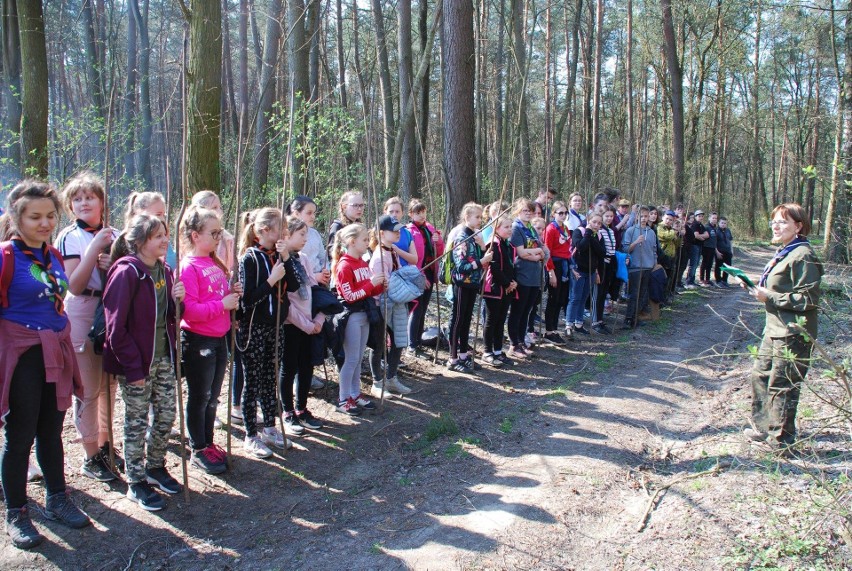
[{"x": 130, "y": 309}]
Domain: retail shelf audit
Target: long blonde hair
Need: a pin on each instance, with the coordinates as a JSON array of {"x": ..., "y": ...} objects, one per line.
[
  {"x": 256, "y": 220},
  {"x": 467, "y": 209},
  {"x": 341, "y": 239},
  {"x": 344, "y": 201}
]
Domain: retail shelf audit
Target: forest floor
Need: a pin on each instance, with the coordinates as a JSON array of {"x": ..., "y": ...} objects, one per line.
[{"x": 550, "y": 465}]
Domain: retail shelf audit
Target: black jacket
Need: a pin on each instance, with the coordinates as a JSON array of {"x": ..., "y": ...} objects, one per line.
[
  {"x": 589, "y": 250},
  {"x": 258, "y": 302}
]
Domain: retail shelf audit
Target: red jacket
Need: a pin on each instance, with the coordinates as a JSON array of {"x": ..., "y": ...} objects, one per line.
[
  {"x": 558, "y": 243},
  {"x": 352, "y": 277}
]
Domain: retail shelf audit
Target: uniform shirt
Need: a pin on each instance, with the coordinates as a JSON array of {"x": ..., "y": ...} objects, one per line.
[
  {"x": 158, "y": 274},
  {"x": 30, "y": 299},
  {"x": 73, "y": 242}
]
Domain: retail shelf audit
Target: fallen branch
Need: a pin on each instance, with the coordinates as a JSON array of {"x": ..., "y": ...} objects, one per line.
[{"x": 653, "y": 499}]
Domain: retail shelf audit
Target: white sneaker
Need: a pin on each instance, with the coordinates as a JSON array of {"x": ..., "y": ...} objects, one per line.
[
  {"x": 376, "y": 391},
  {"x": 254, "y": 447},
  {"x": 271, "y": 436},
  {"x": 395, "y": 386}
]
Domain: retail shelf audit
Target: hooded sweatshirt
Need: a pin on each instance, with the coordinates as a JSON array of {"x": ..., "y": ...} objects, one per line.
[
  {"x": 206, "y": 285},
  {"x": 131, "y": 313}
]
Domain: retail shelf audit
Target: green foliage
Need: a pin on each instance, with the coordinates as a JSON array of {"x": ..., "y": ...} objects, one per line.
[
  {"x": 443, "y": 425},
  {"x": 507, "y": 424}
]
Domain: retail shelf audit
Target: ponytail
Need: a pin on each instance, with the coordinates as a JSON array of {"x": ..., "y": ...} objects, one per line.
[{"x": 341, "y": 238}]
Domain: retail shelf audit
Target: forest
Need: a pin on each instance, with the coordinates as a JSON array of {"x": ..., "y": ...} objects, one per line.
[{"x": 728, "y": 106}]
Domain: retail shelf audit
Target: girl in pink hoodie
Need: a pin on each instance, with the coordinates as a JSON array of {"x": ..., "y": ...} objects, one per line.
[{"x": 204, "y": 331}]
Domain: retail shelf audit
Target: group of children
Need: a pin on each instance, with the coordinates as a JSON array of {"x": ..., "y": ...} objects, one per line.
[{"x": 105, "y": 309}]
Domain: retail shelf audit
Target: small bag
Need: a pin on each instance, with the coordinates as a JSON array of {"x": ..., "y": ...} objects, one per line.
[
  {"x": 621, "y": 266},
  {"x": 371, "y": 308},
  {"x": 97, "y": 333}
]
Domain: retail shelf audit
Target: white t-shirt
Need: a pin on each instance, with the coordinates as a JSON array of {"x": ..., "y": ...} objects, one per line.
[{"x": 73, "y": 243}]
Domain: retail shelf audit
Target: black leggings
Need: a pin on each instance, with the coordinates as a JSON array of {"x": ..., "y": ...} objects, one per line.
[
  {"x": 607, "y": 274},
  {"x": 205, "y": 360},
  {"x": 520, "y": 314},
  {"x": 495, "y": 317},
  {"x": 261, "y": 378},
  {"x": 557, "y": 298},
  {"x": 417, "y": 317},
  {"x": 463, "y": 301},
  {"x": 298, "y": 368},
  {"x": 32, "y": 416}
]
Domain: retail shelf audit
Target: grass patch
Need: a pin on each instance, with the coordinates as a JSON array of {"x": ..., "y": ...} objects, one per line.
[
  {"x": 404, "y": 481},
  {"x": 460, "y": 446},
  {"x": 377, "y": 548},
  {"x": 507, "y": 424},
  {"x": 569, "y": 385},
  {"x": 604, "y": 362},
  {"x": 443, "y": 425}
]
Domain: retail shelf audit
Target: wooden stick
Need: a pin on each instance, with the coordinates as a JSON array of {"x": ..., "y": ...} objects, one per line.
[
  {"x": 653, "y": 499},
  {"x": 106, "y": 377}
]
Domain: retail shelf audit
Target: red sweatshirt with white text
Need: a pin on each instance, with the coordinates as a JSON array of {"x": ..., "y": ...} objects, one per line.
[{"x": 352, "y": 277}]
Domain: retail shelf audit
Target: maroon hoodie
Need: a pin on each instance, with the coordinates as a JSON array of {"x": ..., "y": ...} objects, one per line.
[{"x": 130, "y": 310}]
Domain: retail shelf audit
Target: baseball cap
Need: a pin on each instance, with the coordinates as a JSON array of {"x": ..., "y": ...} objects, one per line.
[
  {"x": 670, "y": 213},
  {"x": 699, "y": 212},
  {"x": 389, "y": 224},
  {"x": 624, "y": 202}
]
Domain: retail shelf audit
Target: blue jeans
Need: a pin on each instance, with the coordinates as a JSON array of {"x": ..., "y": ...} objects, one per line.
[
  {"x": 577, "y": 302},
  {"x": 694, "y": 260}
]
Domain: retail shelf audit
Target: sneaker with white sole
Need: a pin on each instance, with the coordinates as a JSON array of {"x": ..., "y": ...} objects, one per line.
[
  {"x": 394, "y": 386},
  {"x": 143, "y": 494},
  {"x": 292, "y": 426},
  {"x": 255, "y": 447},
  {"x": 306, "y": 419},
  {"x": 349, "y": 406},
  {"x": 271, "y": 436},
  {"x": 364, "y": 403},
  {"x": 96, "y": 469},
  {"x": 161, "y": 478},
  {"x": 376, "y": 390}
]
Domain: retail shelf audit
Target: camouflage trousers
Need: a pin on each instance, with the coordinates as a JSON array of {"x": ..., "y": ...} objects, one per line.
[{"x": 145, "y": 440}]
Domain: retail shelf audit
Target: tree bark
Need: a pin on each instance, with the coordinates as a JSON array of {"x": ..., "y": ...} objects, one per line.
[
  {"x": 129, "y": 103},
  {"x": 143, "y": 163},
  {"x": 385, "y": 85},
  {"x": 408, "y": 166},
  {"x": 675, "y": 99},
  {"x": 11, "y": 64},
  {"x": 631, "y": 121},
  {"x": 837, "y": 242},
  {"x": 299, "y": 49},
  {"x": 243, "y": 83},
  {"x": 756, "y": 170},
  {"x": 260, "y": 172},
  {"x": 341, "y": 60},
  {"x": 93, "y": 57},
  {"x": 521, "y": 134},
  {"x": 457, "y": 69},
  {"x": 205, "y": 95},
  {"x": 422, "y": 123},
  {"x": 34, "y": 89}
]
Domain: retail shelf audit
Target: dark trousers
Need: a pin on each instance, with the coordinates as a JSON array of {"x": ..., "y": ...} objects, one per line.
[
  {"x": 392, "y": 359},
  {"x": 205, "y": 360},
  {"x": 417, "y": 317},
  {"x": 718, "y": 274},
  {"x": 534, "y": 312},
  {"x": 682, "y": 262},
  {"x": 298, "y": 368},
  {"x": 32, "y": 416},
  {"x": 496, "y": 310},
  {"x": 520, "y": 312},
  {"x": 637, "y": 288},
  {"x": 599, "y": 291},
  {"x": 261, "y": 378},
  {"x": 776, "y": 383},
  {"x": 707, "y": 257},
  {"x": 237, "y": 378},
  {"x": 557, "y": 298},
  {"x": 464, "y": 300}
]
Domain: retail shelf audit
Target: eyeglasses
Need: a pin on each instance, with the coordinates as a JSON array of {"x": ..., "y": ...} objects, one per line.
[
  {"x": 216, "y": 234},
  {"x": 562, "y": 213},
  {"x": 773, "y": 223},
  {"x": 360, "y": 205}
]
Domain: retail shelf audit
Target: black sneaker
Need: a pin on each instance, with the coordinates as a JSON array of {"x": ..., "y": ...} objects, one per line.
[
  {"x": 21, "y": 530},
  {"x": 457, "y": 367},
  {"x": 143, "y": 494},
  {"x": 118, "y": 460},
  {"x": 96, "y": 469},
  {"x": 160, "y": 477},
  {"x": 207, "y": 459},
  {"x": 471, "y": 364},
  {"x": 554, "y": 338},
  {"x": 58, "y": 507},
  {"x": 504, "y": 359},
  {"x": 308, "y": 420},
  {"x": 581, "y": 330},
  {"x": 601, "y": 329},
  {"x": 292, "y": 426}
]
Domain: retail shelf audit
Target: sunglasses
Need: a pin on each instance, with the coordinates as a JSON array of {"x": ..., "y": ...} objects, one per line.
[
  {"x": 562, "y": 213},
  {"x": 361, "y": 205}
]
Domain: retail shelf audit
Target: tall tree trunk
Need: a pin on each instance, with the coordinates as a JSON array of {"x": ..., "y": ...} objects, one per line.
[
  {"x": 341, "y": 59},
  {"x": 34, "y": 89},
  {"x": 756, "y": 170},
  {"x": 94, "y": 59},
  {"x": 548, "y": 97},
  {"x": 385, "y": 84},
  {"x": 628, "y": 73},
  {"x": 11, "y": 64},
  {"x": 596, "y": 114},
  {"x": 814, "y": 150},
  {"x": 312, "y": 29},
  {"x": 422, "y": 123},
  {"x": 457, "y": 69},
  {"x": 228, "y": 98},
  {"x": 521, "y": 134},
  {"x": 260, "y": 172},
  {"x": 676, "y": 99},
  {"x": 837, "y": 227},
  {"x": 408, "y": 166},
  {"x": 205, "y": 95},
  {"x": 566, "y": 119},
  {"x": 299, "y": 51},
  {"x": 129, "y": 103},
  {"x": 499, "y": 72},
  {"x": 243, "y": 50},
  {"x": 143, "y": 163}
]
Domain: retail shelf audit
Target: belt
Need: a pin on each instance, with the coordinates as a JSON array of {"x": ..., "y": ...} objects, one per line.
[{"x": 89, "y": 292}]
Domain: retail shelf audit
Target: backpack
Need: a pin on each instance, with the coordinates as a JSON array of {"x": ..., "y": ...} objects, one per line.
[
  {"x": 445, "y": 271},
  {"x": 8, "y": 270}
]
